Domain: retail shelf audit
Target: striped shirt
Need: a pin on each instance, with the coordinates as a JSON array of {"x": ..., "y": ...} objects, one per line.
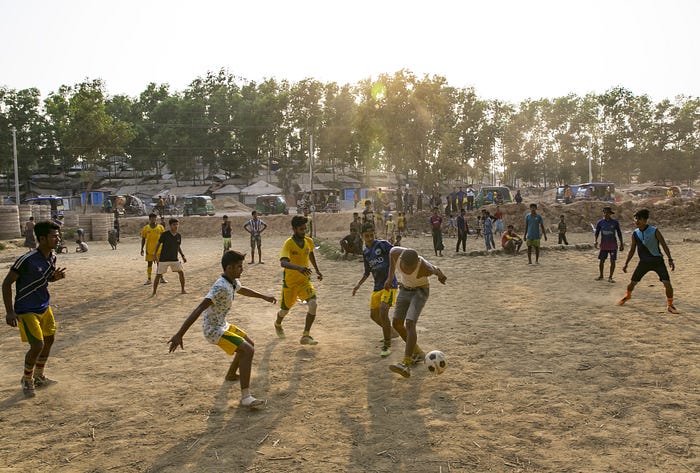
[
  {"x": 255, "y": 226},
  {"x": 32, "y": 287}
]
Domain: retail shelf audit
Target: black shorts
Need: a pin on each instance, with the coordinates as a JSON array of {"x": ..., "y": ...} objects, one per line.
[{"x": 659, "y": 267}]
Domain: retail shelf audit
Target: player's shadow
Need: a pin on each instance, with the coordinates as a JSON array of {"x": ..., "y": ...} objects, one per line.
[
  {"x": 224, "y": 437},
  {"x": 13, "y": 400}
]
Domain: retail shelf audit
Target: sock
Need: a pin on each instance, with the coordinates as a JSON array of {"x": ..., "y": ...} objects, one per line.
[
  {"x": 407, "y": 360},
  {"x": 628, "y": 294},
  {"x": 28, "y": 371},
  {"x": 305, "y": 333},
  {"x": 39, "y": 367},
  {"x": 416, "y": 349},
  {"x": 149, "y": 270},
  {"x": 669, "y": 299},
  {"x": 245, "y": 393}
]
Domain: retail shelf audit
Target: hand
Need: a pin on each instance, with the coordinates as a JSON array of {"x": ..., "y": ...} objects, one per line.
[
  {"x": 354, "y": 290},
  {"x": 270, "y": 299},
  {"x": 545, "y": 237},
  {"x": 622, "y": 246},
  {"x": 174, "y": 342},
  {"x": 672, "y": 265},
  {"x": 441, "y": 277},
  {"x": 11, "y": 319},
  {"x": 60, "y": 273},
  {"x": 304, "y": 271},
  {"x": 595, "y": 245},
  {"x": 388, "y": 285},
  {"x": 320, "y": 276},
  {"x": 184, "y": 260},
  {"x": 141, "y": 251}
]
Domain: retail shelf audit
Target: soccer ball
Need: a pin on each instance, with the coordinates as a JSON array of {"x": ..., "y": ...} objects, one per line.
[{"x": 435, "y": 361}]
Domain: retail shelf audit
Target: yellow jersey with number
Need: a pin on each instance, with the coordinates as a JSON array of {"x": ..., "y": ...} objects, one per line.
[{"x": 297, "y": 255}]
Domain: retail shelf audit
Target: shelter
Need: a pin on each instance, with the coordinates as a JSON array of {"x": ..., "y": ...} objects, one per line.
[
  {"x": 249, "y": 194},
  {"x": 229, "y": 190}
]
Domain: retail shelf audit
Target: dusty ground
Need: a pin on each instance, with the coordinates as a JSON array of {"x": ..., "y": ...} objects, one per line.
[{"x": 545, "y": 372}]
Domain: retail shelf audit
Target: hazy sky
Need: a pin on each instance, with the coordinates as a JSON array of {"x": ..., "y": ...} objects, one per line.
[{"x": 508, "y": 49}]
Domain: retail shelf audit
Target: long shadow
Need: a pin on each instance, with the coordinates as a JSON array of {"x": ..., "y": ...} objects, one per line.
[{"x": 224, "y": 441}]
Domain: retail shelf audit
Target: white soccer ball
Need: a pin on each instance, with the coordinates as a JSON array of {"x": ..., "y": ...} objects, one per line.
[{"x": 435, "y": 361}]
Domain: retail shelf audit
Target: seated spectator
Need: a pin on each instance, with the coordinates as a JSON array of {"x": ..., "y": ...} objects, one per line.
[
  {"x": 82, "y": 246},
  {"x": 511, "y": 241}
]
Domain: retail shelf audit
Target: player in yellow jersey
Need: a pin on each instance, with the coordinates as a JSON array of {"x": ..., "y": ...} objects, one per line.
[
  {"x": 296, "y": 253},
  {"x": 150, "y": 234}
]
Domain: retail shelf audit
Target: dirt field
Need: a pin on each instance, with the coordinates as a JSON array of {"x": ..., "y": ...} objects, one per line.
[{"x": 545, "y": 372}]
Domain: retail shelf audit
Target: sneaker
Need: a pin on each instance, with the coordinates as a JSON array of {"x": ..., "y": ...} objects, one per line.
[
  {"x": 673, "y": 310},
  {"x": 623, "y": 300},
  {"x": 307, "y": 340},
  {"x": 41, "y": 381},
  {"x": 163, "y": 281},
  {"x": 279, "y": 331},
  {"x": 28, "y": 387},
  {"x": 147, "y": 283},
  {"x": 250, "y": 401},
  {"x": 386, "y": 351},
  {"x": 418, "y": 358},
  {"x": 400, "y": 368},
  {"x": 599, "y": 278},
  {"x": 611, "y": 280}
]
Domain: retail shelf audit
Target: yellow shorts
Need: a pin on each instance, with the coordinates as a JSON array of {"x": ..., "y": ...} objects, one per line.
[
  {"x": 389, "y": 297},
  {"x": 34, "y": 327},
  {"x": 151, "y": 257},
  {"x": 230, "y": 339},
  {"x": 534, "y": 243},
  {"x": 289, "y": 297}
]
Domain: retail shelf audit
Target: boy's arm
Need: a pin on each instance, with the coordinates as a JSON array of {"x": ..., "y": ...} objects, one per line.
[
  {"x": 264, "y": 226},
  {"x": 619, "y": 234},
  {"x": 179, "y": 248},
  {"x": 544, "y": 230},
  {"x": 663, "y": 244},
  {"x": 156, "y": 256},
  {"x": 246, "y": 227},
  {"x": 251, "y": 293},
  {"x": 176, "y": 340},
  {"x": 359, "y": 283},
  {"x": 630, "y": 254},
  {"x": 312, "y": 258},
  {"x": 10, "y": 279},
  {"x": 393, "y": 257}
]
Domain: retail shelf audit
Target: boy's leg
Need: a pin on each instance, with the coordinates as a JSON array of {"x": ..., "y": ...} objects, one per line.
[
  {"x": 245, "y": 354},
  {"x": 537, "y": 254},
  {"x": 669, "y": 297},
  {"x": 601, "y": 268},
  {"x": 181, "y": 274},
  {"x": 260, "y": 252},
  {"x": 628, "y": 294},
  {"x": 156, "y": 280},
  {"x": 231, "y": 374},
  {"x": 306, "y": 338},
  {"x": 529, "y": 254},
  {"x": 39, "y": 379}
]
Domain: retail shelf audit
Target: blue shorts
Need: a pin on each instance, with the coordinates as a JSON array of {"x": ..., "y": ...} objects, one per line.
[{"x": 603, "y": 255}]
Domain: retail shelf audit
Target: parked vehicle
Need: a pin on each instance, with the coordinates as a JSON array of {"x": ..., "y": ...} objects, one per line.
[
  {"x": 604, "y": 191},
  {"x": 492, "y": 195},
  {"x": 198, "y": 205},
  {"x": 560, "y": 196},
  {"x": 271, "y": 204},
  {"x": 127, "y": 205},
  {"x": 55, "y": 202}
]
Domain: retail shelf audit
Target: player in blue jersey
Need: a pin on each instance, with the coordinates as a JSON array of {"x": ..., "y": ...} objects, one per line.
[
  {"x": 31, "y": 274},
  {"x": 609, "y": 231},
  {"x": 377, "y": 262},
  {"x": 647, "y": 239}
]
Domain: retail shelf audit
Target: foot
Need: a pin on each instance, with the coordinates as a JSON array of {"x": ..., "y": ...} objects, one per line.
[
  {"x": 623, "y": 300},
  {"x": 386, "y": 351},
  {"x": 163, "y": 281},
  {"x": 418, "y": 357},
  {"x": 599, "y": 278},
  {"x": 261, "y": 262},
  {"x": 400, "y": 368},
  {"x": 147, "y": 283},
  {"x": 41, "y": 381},
  {"x": 250, "y": 401},
  {"x": 28, "y": 387},
  {"x": 251, "y": 262},
  {"x": 279, "y": 331},
  {"x": 672, "y": 309},
  {"x": 232, "y": 377},
  {"x": 307, "y": 340},
  {"x": 611, "y": 280}
]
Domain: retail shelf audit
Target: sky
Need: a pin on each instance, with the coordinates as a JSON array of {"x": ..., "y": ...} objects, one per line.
[{"x": 510, "y": 50}]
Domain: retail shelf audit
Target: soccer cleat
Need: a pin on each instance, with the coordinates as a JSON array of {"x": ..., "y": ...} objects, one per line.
[
  {"x": 307, "y": 340},
  {"x": 672, "y": 309},
  {"x": 386, "y": 351},
  {"x": 402, "y": 369},
  {"x": 147, "y": 283},
  {"x": 250, "y": 401},
  {"x": 41, "y": 381},
  {"x": 623, "y": 300},
  {"x": 163, "y": 281},
  {"x": 279, "y": 331},
  {"x": 418, "y": 358},
  {"x": 28, "y": 387}
]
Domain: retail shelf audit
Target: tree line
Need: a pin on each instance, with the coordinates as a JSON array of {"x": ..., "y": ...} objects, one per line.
[{"x": 419, "y": 128}]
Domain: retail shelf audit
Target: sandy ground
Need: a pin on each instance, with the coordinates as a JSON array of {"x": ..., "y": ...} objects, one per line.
[{"x": 545, "y": 372}]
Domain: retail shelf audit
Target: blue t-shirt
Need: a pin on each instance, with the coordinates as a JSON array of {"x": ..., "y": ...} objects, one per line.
[
  {"x": 532, "y": 223},
  {"x": 377, "y": 261},
  {"x": 32, "y": 287},
  {"x": 647, "y": 244},
  {"x": 607, "y": 229}
]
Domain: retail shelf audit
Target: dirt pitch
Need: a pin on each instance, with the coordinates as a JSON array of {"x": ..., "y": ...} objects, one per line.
[{"x": 546, "y": 373}]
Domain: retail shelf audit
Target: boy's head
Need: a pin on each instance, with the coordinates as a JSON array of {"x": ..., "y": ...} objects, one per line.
[
  {"x": 355, "y": 215},
  {"x": 368, "y": 234},
  {"x": 561, "y": 217},
  {"x": 47, "y": 234},
  {"x": 533, "y": 207},
  {"x": 299, "y": 225},
  {"x": 226, "y": 217},
  {"x": 408, "y": 260},
  {"x": 641, "y": 217},
  {"x": 510, "y": 228},
  {"x": 174, "y": 224},
  {"x": 152, "y": 217},
  {"x": 232, "y": 263},
  {"x": 368, "y": 203}
]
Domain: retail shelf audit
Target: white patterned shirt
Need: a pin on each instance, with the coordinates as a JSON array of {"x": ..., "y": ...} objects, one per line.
[{"x": 214, "y": 322}]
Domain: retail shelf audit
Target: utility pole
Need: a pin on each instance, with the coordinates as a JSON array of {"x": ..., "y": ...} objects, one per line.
[
  {"x": 311, "y": 181},
  {"x": 14, "y": 152}
]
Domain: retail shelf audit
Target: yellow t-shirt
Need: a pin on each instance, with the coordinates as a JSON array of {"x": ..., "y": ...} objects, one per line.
[
  {"x": 152, "y": 235},
  {"x": 298, "y": 256}
]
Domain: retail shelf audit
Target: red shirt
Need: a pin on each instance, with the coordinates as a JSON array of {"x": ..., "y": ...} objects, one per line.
[{"x": 436, "y": 221}]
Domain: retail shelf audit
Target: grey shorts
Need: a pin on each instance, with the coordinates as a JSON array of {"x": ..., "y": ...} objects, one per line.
[{"x": 410, "y": 303}]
